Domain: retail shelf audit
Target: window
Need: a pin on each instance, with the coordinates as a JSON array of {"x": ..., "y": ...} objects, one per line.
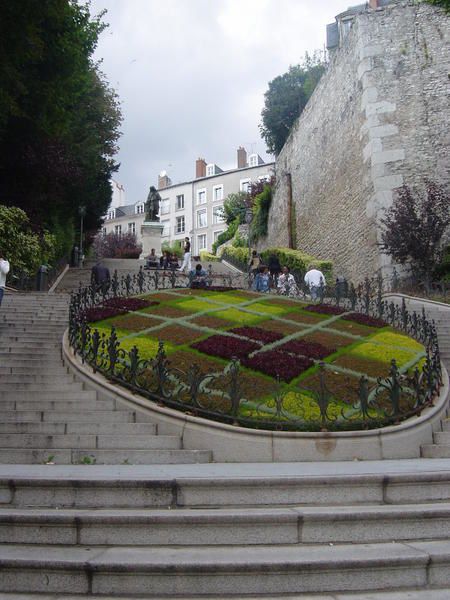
[
  {"x": 118, "y": 230},
  {"x": 244, "y": 185},
  {"x": 201, "y": 218},
  {"x": 111, "y": 214},
  {"x": 264, "y": 178},
  {"x": 201, "y": 197},
  {"x": 209, "y": 170},
  {"x": 139, "y": 209},
  {"x": 253, "y": 160},
  {"x": 166, "y": 228},
  {"x": 346, "y": 25},
  {"x": 218, "y": 215},
  {"x": 201, "y": 242},
  {"x": 216, "y": 234},
  {"x": 217, "y": 192},
  {"x": 165, "y": 206},
  {"x": 179, "y": 227},
  {"x": 180, "y": 202},
  {"x": 103, "y": 230},
  {"x": 131, "y": 227}
]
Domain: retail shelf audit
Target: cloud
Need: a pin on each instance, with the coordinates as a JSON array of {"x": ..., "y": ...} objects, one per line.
[{"x": 191, "y": 75}]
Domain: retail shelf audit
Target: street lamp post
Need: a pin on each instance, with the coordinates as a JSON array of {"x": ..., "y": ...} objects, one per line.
[{"x": 82, "y": 213}]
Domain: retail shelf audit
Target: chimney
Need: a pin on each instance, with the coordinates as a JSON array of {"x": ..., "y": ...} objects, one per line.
[
  {"x": 241, "y": 158},
  {"x": 163, "y": 180},
  {"x": 200, "y": 168},
  {"x": 373, "y": 4}
]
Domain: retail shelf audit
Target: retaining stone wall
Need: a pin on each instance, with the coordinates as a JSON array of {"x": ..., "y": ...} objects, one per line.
[{"x": 379, "y": 118}]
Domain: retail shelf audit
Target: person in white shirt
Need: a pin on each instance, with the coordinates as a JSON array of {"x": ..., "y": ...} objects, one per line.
[
  {"x": 314, "y": 279},
  {"x": 4, "y": 270}
]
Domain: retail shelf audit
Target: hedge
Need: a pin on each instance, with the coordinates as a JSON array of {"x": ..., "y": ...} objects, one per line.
[
  {"x": 298, "y": 261},
  {"x": 206, "y": 256},
  {"x": 237, "y": 254}
]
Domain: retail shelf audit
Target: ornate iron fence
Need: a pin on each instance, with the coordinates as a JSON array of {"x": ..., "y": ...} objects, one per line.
[{"x": 221, "y": 395}]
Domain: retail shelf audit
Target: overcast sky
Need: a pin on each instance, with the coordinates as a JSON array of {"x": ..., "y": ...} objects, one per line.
[{"x": 191, "y": 76}]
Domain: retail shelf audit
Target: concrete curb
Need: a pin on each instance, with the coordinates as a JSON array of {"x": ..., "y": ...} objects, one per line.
[{"x": 237, "y": 444}]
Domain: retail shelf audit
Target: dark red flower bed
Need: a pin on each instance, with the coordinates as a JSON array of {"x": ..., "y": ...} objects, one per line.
[
  {"x": 309, "y": 349},
  {"x": 324, "y": 309},
  {"x": 365, "y": 320},
  {"x": 102, "y": 312},
  {"x": 226, "y": 346},
  {"x": 278, "y": 364},
  {"x": 129, "y": 303},
  {"x": 257, "y": 334}
]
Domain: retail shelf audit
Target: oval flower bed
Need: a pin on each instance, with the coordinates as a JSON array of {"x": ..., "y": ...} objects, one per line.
[{"x": 284, "y": 349}]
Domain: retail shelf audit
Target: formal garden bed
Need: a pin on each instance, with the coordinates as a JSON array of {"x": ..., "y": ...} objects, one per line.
[{"x": 258, "y": 360}]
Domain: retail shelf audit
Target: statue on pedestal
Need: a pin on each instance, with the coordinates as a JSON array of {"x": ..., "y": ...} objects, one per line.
[{"x": 152, "y": 205}]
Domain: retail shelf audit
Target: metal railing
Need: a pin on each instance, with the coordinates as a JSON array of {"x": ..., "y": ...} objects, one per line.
[{"x": 220, "y": 395}]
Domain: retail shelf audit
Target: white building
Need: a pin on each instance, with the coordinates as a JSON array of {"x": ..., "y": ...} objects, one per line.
[{"x": 191, "y": 209}]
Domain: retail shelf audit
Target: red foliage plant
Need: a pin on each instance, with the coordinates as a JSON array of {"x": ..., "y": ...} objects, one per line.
[
  {"x": 128, "y": 304},
  {"x": 278, "y": 364},
  {"x": 257, "y": 334},
  {"x": 364, "y": 320},
  {"x": 98, "y": 313},
  {"x": 308, "y": 349},
  {"x": 324, "y": 309},
  {"x": 225, "y": 346}
]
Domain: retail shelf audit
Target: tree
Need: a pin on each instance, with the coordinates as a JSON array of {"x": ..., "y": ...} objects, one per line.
[
  {"x": 234, "y": 206},
  {"x": 25, "y": 249},
  {"x": 114, "y": 245},
  {"x": 286, "y": 98},
  {"x": 445, "y": 4},
  {"x": 59, "y": 120},
  {"x": 414, "y": 227}
]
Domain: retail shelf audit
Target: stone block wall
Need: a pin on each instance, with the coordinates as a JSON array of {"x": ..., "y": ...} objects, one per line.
[{"x": 379, "y": 118}]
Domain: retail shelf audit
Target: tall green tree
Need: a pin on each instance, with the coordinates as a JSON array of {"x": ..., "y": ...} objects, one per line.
[
  {"x": 286, "y": 98},
  {"x": 59, "y": 119}
]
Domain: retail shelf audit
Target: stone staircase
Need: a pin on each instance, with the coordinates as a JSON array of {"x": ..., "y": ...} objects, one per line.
[
  {"x": 220, "y": 531},
  {"x": 366, "y": 530},
  {"x": 47, "y": 416}
]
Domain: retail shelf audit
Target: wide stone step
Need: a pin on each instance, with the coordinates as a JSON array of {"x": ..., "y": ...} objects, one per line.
[
  {"x": 199, "y": 487},
  {"x": 225, "y": 569},
  {"x": 79, "y": 428},
  {"x": 181, "y": 527},
  {"x": 59, "y": 387},
  {"x": 97, "y": 416},
  {"x": 74, "y": 395},
  {"x": 90, "y": 441},
  {"x": 34, "y": 369},
  {"x": 61, "y": 378},
  {"x": 59, "y": 405},
  {"x": 14, "y": 356},
  {"x": 91, "y": 456},
  {"x": 403, "y": 594},
  {"x": 442, "y": 437},
  {"x": 435, "y": 451}
]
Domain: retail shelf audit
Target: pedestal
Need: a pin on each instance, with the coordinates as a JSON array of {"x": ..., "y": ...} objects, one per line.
[{"x": 151, "y": 232}]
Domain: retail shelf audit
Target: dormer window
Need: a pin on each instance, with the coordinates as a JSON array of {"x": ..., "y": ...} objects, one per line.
[
  {"x": 210, "y": 170},
  {"x": 253, "y": 160},
  {"x": 139, "y": 209},
  {"x": 112, "y": 214}
]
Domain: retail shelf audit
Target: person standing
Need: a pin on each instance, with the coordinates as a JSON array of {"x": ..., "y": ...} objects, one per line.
[
  {"x": 314, "y": 279},
  {"x": 187, "y": 256},
  {"x": 4, "y": 270},
  {"x": 287, "y": 286}
]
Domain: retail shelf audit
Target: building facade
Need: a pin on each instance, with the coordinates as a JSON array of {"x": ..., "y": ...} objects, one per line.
[{"x": 192, "y": 208}]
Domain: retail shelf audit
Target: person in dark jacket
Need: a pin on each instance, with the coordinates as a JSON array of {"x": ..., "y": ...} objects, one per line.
[{"x": 100, "y": 277}]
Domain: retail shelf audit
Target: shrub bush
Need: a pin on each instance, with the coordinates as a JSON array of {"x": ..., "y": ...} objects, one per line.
[
  {"x": 206, "y": 256},
  {"x": 299, "y": 261},
  {"x": 261, "y": 206},
  {"x": 114, "y": 245},
  {"x": 236, "y": 254}
]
